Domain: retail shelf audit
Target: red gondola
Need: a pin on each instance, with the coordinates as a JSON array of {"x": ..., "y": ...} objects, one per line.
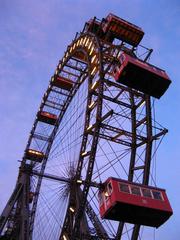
[
  {"x": 141, "y": 76},
  {"x": 134, "y": 203},
  {"x": 62, "y": 82},
  {"x": 47, "y": 117},
  {"x": 34, "y": 155},
  {"x": 123, "y": 30},
  {"x": 80, "y": 56}
]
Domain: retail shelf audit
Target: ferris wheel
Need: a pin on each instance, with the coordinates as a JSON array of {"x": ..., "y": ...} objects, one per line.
[{"x": 95, "y": 121}]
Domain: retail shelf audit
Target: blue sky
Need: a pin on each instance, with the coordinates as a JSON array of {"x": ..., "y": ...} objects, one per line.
[{"x": 33, "y": 37}]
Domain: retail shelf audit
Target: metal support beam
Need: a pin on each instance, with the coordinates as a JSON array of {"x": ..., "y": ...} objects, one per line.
[
  {"x": 100, "y": 231},
  {"x": 9, "y": 206},
  {"x": 20, "y": 202}
]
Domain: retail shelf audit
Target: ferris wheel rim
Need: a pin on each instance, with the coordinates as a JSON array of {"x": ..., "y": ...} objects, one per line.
[{"x": 69, "y": 56}]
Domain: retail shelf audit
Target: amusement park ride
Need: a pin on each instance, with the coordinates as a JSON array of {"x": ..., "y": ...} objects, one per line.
[{"x": 88, "y": 162}]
